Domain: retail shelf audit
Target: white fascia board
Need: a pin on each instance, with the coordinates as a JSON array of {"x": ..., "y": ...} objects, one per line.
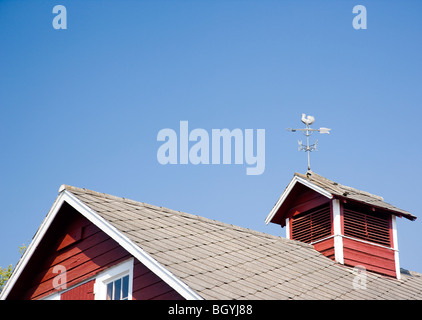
[
  {"x": 121, "y": 239},
  {"x": 280, "y": 200},
  {"x": 314, "y": 187},
  {"x": 287, "y": 191}
]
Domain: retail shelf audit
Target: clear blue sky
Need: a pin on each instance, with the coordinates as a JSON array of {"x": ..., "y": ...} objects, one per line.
[{"x": 83, "y": 106}]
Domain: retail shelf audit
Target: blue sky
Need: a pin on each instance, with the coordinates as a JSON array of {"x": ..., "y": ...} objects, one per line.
[{"x": 83, "y": 106}]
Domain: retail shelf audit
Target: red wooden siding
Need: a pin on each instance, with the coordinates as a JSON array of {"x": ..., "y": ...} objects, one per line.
[
  {"x": 326, "y": 247},
  {"x": 84, "y": 291},
  {"x": 373, "y": 227},
  {"x": 304, "y": 199},
  {"x": 84, "y": 250},
  {"x": 357, "y": 221},
  {"x": 148, "y": 286},
  {"x": 373, "y": 258}
]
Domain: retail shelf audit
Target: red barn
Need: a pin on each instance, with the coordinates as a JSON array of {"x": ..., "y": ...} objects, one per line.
[{"x": 97, "y": 246}]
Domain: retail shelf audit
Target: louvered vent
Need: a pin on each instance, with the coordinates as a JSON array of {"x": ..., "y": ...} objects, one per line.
[
  {"x": 367, "y": 226},
  {"x": 312, "y": 225}
]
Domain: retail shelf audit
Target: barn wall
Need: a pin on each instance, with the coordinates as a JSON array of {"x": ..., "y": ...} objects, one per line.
[{"x": 372, "y": 257}]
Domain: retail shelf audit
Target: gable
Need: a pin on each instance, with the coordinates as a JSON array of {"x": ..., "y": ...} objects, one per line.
[
  {"x": 83, "y": 250},
  {"x": 297, "y": 198}
]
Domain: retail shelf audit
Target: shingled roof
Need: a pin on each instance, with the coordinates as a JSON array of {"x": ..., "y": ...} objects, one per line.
[
  {"x": 222, "y": 261},
  {"x": 343, "y": 191}
]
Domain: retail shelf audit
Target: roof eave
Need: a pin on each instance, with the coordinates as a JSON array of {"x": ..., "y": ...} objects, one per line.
[{"x": 399, "y": 213}]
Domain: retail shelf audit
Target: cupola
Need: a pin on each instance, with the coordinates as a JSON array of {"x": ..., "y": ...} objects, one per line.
[{"x": 350, "y": 226}]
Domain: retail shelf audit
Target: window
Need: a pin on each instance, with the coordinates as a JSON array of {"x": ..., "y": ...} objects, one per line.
[
  {"x": 118, "y": 289},
  {"x": 115, "y": 283}
]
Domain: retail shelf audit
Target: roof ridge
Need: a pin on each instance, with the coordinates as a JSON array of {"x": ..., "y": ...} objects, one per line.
[
  {"x": 99, "y": 194},
  {"x": 123, "y": 199}
]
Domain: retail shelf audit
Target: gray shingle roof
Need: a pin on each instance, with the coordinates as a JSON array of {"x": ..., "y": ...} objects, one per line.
[
  {"x": 222, "y": 261},
  {"x": 339, "y": 190}
]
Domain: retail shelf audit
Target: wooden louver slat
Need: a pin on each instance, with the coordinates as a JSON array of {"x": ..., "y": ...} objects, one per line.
[
  {"x": 312, "y": 225},
  {"x": 367, "y": 226}
]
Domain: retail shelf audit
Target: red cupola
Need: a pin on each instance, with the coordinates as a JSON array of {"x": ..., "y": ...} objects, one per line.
[{"x": 350, "y": 226}]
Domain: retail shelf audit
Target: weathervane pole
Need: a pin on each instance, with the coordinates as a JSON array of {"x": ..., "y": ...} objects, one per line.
[
  {"x": 307, "y": 148},
  {"x": 308, "y": 120}
]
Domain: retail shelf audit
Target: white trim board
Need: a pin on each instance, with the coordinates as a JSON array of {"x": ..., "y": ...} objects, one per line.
[
  {"x": 152, "y": 264},
  {"x": 395, "y": 246},
  {"x": 338, "y": 239}
]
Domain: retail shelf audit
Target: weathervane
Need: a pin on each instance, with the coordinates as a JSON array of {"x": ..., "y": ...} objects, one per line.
[{"x": 308, "y": 120}]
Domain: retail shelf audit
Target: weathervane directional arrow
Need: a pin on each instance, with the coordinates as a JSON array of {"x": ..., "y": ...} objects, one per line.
[{"x": 308, "y": 120}]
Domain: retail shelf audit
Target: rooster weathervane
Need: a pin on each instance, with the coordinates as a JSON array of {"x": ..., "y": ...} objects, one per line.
[{"x": 308, "y": 120}]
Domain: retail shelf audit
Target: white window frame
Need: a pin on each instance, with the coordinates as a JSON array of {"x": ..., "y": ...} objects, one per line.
[
  {"x": 118, "y": 271},
  {"x": 54, "y": 296}
]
